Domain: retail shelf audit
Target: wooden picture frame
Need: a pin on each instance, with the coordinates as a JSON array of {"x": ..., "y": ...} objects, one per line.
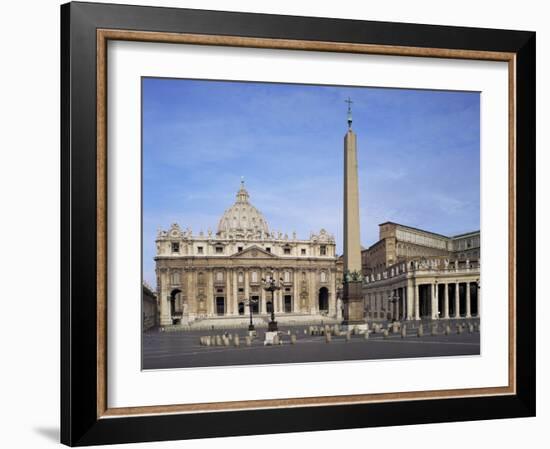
[{"x": 85, "y": 417}]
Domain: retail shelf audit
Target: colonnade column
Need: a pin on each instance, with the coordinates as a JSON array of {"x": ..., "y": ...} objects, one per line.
[
  {"x": 468, "y": 306},
  {"x": 457, "y": 300},
  {"x": 403, "y": 303},
  {"x": 416, "y": 302},
  {"x": 446, "y": 302},
  {"x": 410, "y": 300},
  {"x": 435, "y": 302}
]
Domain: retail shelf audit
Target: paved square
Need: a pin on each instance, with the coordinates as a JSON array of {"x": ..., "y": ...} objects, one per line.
[{"x": 163, "y": 350}]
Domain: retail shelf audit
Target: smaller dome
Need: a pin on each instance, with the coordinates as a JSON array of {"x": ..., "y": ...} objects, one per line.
[{"x": 242, "y": 217}]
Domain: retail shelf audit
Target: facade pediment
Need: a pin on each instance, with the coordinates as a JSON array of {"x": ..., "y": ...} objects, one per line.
[{"x": 252, "y": 252}]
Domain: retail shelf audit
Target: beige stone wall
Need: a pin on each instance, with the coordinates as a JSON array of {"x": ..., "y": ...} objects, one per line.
[{"x": 202, "y": 283}]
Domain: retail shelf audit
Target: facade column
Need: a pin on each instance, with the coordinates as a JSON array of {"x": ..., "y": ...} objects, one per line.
[
  {"x": 295, "y": 292},
  {"x": 434, "y": 302},
  {"x": 247, "y": 294},
  {"x": 263, "y": 293},
  {"x": 446, "y": 303},
  {"x": 457, "y": 300},
  {"x": 210, "y": 307},
  {"x": 468, "y": 306},
  {"x": 313, "y": 293},
  {"x": 228, "y": 295},
  {"x": 235, "y": 293},
  {"x": 378, "y": 305},
  {"x": 410, "y": 300},
  {"x": 416, "y": 302},
  {"x": 165, "y": 318}
]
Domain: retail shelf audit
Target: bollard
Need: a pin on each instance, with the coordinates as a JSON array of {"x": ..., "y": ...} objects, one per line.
[
  {"x": 366, "y": 334},
  {"x": 276, "y": 339},
  {"x": 328, "y": 337},
  {"x": 237, "y": 341},
  {"x": 292, "y": 339},
  {"x": 471, "y": 328},
  {"x": 403, "y": 331},
  {"x": 420, "y": 332},
  {"x": 458, "y": 329},
  {"x": 435, "y": 330},
  {"x": 348, "y": 336},
  {"x": 386, "y": 333},
  {"x": 447, "y": 329},
  {"x": 247, "y": 340}
]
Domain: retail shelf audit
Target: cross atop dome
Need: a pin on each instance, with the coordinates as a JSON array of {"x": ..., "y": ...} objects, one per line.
[{"x": 242, "y": 194}]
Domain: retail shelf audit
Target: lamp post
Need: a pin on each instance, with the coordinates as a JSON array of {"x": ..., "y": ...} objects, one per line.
[
  {"x": 271, "y": 285},
  {"x": 250, "y": 302}
]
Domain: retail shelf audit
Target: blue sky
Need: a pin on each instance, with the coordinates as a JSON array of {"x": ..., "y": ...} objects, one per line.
[{"x": 418, "y": 153}]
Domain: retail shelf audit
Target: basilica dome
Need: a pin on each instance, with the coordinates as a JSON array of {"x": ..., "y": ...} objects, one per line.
[{"x": 242, "y": 217}]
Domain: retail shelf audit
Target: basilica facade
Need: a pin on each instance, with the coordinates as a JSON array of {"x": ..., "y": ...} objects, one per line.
[{"x": 218, "y": 278}]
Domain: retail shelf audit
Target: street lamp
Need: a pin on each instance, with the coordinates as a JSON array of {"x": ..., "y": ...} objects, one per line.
[
  {"x": 271, "y": 285},
  {"x": 251, "y": 302}
]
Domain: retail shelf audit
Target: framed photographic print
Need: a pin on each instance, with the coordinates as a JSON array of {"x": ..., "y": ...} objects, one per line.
[{"x": 280, "y": 224}]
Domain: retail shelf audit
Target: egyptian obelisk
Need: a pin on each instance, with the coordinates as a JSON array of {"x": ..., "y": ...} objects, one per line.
[{"x": 353, "y": 280}]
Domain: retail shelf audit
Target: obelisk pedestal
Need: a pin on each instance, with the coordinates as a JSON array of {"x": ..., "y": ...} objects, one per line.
[{"x": 354, "y": 307}]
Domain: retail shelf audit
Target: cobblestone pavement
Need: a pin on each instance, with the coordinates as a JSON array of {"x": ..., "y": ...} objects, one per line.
[{"x": 163, "y": 350}]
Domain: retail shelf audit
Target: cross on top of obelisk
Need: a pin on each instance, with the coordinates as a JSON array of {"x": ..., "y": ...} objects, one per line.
[{"x": 349, "y": 102}]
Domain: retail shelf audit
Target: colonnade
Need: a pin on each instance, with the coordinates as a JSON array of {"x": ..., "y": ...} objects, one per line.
[{"x": 419, "y": 300}]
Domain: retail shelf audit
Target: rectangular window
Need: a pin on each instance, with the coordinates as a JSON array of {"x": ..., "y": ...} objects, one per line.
[
  {"x": 200, "y": 249},
  {"x": 219, "y": 276},
  {"x": 323, "y": 250},
  {"x": 287, "y": 250},
  {"x": 219, "y": 249},
  {"x": 241, "y": 290},
  {"x": 254, "y": 276},
  {"x": 303, "y": 251},
  {"x": 175, "y": 247},
  {"x": 240, "y": 249},
  {"x": 268, "y": 250}
]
